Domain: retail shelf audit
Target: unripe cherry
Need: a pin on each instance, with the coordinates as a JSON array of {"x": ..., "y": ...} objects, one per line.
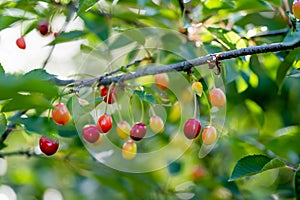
[
  {"x": 296, "y": 9},
  {"x": 129, "y": 150},
  {"x": 138, "y": 131},
  {"x": 197, "y": 88},
  {"x": 123, "y": 129},
  {"x": 60, "y": 114},
  {"x": 161, "y": 81},
  {"x": 192, "y": 128},
  {"x": 156, "y": 124},
  {"x": 209, "y": 135},
  {"x": 217, "y": 97}
]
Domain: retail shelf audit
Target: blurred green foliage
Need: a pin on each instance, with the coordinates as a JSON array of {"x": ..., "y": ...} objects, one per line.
[{"x": 261, "y": 134}]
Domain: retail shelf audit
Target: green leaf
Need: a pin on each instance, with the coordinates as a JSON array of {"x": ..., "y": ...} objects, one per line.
[
  {"x": 25, "y": 102},
  {"x": 85, "y": 5},
  {"x": 3, "y": 123},
  {"x": 68, "y": 36},
  {"x": 285, "y": 66},
  {"x": 295, "y": 73},
  {"x": 30, "y": 27},
  {"x": 96, "y": 24},
  {"x": 12, "y": 85},
  {"x": 40, "y": 74},
  {"x": 254, "y": 164},
  {"x": 297, "y": 184},
  {"x": 2, "y": 71},
  {"x": 145, "y": 96},
  {"x": 6, "y": 21},
  {"x": 256, "y": 111},
  {"x": 67, "y": 130}
]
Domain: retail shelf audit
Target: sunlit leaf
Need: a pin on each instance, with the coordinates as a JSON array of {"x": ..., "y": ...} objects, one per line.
[
  {"x": 3, "y": 123},
  {"x": 145, "y": 96},
  {"x": 39, "y": 74},
  {"x": 6, "y": 21},
  {"x": 97, "y": 24},
  {"x": 68, "y": 36},
  {"x": 85, "y": 5},
  {"x": 254, "y": 164}
]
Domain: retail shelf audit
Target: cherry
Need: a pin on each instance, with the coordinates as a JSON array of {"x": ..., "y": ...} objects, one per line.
[
  {"x": 161, "y": 81},
  {"x": 156, "y": 124},
  {"x": 138, "y": 131},
  {"x": 55, "y": 34},
  {"x": 43, "y": 27},
  {"x": 123, "y": 129},
  {"x": 296, "y": 9},
  {"x": 21, "y": 43},
  {"x": 60, "y": 114},
  {"x": 217, "y": 97},
  {"x": 192, "y": 128},
  {"x": 104, "y": 123},
  {"x": 209, "y": 135},
  {"x": 91, "y": 134},
  {"x": 175, "y": 112},
  {"x": 197, "y": 88},
  {"x": 104, "y": 92},
  {"x": 129, "y": 150},
  {"x": 198, "y": 172},
  {"x": 48, "y": 146}
]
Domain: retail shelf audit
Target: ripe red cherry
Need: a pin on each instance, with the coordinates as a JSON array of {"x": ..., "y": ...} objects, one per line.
[
  {"x": 161, "y": 81},
  {"x": 198, "y": 172},
  {"x": 217, "y": 97},
  {"x": 104, "y": 123},
  {"x": 43, "y": 27},
  {"x": 90, "y": 133},
  {"x": 192, "y": 128},
  {"x": 48, "y": 146},
  {"x": 110, "y": 99},
  {"x": 60, "y": 114},
  {"x": 296, "y": 9},
  {"x": 138, "y": 131},
  {"x": 21, "y": 43}
]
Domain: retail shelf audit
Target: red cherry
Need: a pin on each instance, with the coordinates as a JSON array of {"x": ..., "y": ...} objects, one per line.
[
  {"x": 296, "y": 9},
  {"x": 60, "y": 114},
  {"x": 55, "y": 34},
  {"x": 138, "y": 131},
  {"x": 161, "y": 81},
  {"x": 198, "y": 172},
  {"x": 43, "y": 27},
  {"x": 209, "y": 135},
  {"x": 21, "y": 43},
  {"x": 104, "y": 92},
  {"x": 90, "y": 133},
  {"x": 48, "y": 146},
  {"x": 104, "y": 123},
  {"x": 192, "y": 128}
]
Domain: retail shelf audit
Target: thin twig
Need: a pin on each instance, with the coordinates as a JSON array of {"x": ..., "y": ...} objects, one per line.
[
  {"x": 28, "y": 153},
  {"x": 182, "y": 66}
]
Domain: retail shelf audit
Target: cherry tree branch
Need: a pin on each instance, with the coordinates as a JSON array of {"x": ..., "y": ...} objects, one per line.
[
  {"x": 27, "y": 153},
  {"x": 181, "y": 66}
]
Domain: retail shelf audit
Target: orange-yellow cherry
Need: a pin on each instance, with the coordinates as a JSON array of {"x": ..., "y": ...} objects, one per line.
[
  {"x": 209, "y": 135},
  {"x": 60, "y": 114},
  {"x": 129, "y": 150}
]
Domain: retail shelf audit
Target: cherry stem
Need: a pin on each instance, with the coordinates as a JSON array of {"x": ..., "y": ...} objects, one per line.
[
  {"x": 108, "y": 97},
  {"x": 152, "y": 110},
  {"x": 195, "y": 107},
  {"x": 209, "y": 107},
  {"x": 130, "y": 110},
  {"x": 118, "y": 110}
]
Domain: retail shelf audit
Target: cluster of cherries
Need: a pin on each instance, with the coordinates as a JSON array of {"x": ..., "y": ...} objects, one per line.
[
  {"x": 44, "y": 29},
  {"x": 192, "y": 127},
  {"x": 94, "y": 133}
]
